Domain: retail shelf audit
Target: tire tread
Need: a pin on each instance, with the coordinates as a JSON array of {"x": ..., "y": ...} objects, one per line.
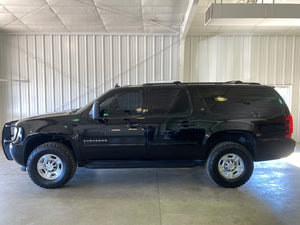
[
  {"x": 62, "y": 149},
  {"x": 211, "y": 170}
]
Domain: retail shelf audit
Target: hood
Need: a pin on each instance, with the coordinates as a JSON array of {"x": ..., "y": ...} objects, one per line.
[
  {"x": 44, "y": 116},
  {"x": 62, "y": 122}
]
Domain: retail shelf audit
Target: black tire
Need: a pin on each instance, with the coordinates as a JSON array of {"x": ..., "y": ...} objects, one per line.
[
  {"x": 229, "y": 164},
  {"x": 58, "y": 161}
]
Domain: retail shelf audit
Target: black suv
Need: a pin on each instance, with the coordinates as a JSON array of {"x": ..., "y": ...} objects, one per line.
[{"x": 228, "y": 125}]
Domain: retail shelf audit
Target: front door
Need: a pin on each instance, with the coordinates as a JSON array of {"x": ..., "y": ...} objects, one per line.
[{"x": 120, "y": 132}]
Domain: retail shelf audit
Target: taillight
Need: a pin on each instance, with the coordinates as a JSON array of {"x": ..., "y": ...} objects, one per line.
[{"x": 288, "y": 126}]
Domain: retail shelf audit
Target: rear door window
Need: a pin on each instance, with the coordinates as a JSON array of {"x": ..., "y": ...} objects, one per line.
[{"x": 166, "y": 101}]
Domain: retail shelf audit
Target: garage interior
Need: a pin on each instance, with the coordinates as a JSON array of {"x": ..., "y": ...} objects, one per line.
[{"x": 58, "y": 55}]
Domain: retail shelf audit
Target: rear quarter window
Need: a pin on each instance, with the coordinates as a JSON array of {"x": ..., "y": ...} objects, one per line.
[{"x": 244, "y": 101}]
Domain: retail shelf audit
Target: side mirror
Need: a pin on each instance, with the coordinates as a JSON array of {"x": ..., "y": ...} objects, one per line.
[{"x": 95, "y": 112}]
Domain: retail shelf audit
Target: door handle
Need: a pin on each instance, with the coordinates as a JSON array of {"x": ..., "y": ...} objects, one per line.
[
  {"x": 183, "y": 123},
  {"x": 256, "y": 114},
  {"x": 133, "y": 125},
  {"x": 186, "y": 124}
]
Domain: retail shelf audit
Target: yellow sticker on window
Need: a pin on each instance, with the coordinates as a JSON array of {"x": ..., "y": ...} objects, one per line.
[{"x": 221, "y": 99}]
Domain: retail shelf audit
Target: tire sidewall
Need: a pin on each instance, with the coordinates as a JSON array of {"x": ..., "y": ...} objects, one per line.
[
  {"x": 33, "y": 171},
  {"x": 217, "y": 176}
]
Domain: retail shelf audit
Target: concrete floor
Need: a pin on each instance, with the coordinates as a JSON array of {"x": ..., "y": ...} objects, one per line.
[{"x": 153, "y": 197}]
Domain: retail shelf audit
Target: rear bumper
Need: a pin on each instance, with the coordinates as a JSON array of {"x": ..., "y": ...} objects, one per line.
[{"x": 269, "y": 149}]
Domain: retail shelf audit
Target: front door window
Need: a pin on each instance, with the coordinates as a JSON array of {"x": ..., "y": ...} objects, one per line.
[{"x": 122, "y": 105}]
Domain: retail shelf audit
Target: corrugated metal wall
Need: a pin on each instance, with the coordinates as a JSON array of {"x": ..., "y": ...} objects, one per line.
[
  {"x": 48, "y": 73},
  {"x": 272, "y": 60}
]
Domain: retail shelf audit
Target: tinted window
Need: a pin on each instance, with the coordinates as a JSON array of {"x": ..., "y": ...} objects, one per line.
[
  {"x": 196, "y": 97},
  {"x": 121, "y": 104},
  {"x": 260, "y": 99},
  {"x": 243, "y": 100},
  {"x": 168, "y": 101}
]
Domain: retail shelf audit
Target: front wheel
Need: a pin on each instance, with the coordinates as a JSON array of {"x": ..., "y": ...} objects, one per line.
[
  {"x": 229, "y": 164},
  {"x": 51, "y": 165}
]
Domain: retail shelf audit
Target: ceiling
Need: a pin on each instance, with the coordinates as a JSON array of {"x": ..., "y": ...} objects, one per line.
[
  {"x": 105, "y": 16},
  {"x": 119, "y": 16}
]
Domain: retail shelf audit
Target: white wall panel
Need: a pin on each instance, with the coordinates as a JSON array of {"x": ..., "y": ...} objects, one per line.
[
  {"x": 49, "y": 73},
  {"x": 271, "y": 60}
]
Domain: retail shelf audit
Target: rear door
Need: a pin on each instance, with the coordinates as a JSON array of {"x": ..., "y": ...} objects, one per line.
[{"x": 171, "y": 133}]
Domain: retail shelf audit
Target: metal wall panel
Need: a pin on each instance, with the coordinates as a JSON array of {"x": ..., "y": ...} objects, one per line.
[
  {"x": 271, "y": 60},
  {"x": 49, "y": 73}
]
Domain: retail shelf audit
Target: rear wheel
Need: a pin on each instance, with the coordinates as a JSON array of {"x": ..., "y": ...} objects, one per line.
[
  {"x": 230, "y": 164},
  {"x": 51, "y": 165}
]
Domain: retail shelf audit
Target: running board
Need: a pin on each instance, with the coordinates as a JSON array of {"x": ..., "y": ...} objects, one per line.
[{"x": 102, "y": 164}]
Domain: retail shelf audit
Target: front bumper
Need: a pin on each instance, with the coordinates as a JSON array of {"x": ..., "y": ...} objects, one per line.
[
  {"x": 17, "y": 151},
  {"x": 13, "y": 148},
  {"x": 269, "y": 149},
  {"x": 6, "y": 138}
]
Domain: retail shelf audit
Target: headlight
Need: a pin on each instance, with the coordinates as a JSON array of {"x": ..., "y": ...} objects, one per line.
[
  {"x": 17, "y": 134},
  {"x": 14, "y": 132}
]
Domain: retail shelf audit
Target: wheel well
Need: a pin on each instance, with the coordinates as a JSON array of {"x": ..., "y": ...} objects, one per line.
[
  {"x": 243, "y": 138},
  {"x": 41, "y": 139}
]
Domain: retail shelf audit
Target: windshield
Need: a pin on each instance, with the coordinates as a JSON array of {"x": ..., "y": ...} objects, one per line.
[
  {"x": 75, "y": 110},
  {"x": 89, "y": 105}
]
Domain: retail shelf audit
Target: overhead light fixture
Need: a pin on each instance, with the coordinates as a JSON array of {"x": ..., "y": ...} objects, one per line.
[{"x": 253, "y": 15}]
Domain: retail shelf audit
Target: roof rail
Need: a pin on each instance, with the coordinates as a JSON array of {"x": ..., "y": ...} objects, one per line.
[
  {"x": 241, "y": 82},
  {"x": 164, "y": 82},
  {"x": 234, "y": 82},
  {"x": 205, "y": 83},
  {"x": 177, "y": 82}
]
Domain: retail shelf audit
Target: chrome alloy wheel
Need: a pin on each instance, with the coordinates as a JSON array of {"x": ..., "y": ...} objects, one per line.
[
  {"x": 50, "y": 166},
  {"x": 231, "y": 166}
]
